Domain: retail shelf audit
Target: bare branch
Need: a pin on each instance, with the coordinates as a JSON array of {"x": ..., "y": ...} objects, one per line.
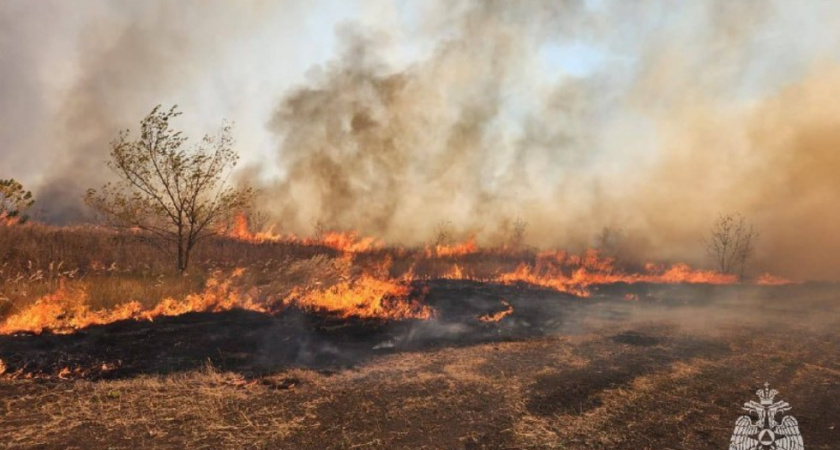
[
  {"x": 173, "y": 195},
  {"x": 730, "y": 243}
]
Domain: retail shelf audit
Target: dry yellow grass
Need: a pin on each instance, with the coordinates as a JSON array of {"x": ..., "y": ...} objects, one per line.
[{"x": 474, "y": 397}]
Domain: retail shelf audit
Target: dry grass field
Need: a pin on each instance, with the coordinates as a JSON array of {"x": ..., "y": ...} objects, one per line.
[
  {"x": 499, "y": 364},
  {"x": 419, "y": 224}
]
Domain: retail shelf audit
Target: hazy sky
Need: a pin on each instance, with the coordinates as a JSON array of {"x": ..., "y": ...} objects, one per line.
[
  {"x": 391, "y": 117},
  {"x": 250, "y": 66}
]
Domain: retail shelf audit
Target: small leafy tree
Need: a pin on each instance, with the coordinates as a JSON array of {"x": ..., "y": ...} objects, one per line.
[
  {"x": 14, "y": 201},
  {"x": 174, "y": 195},
  {"x": 730, "y": 243}
]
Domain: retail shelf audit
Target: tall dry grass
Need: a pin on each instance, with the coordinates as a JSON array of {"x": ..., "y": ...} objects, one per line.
[{"x": 114, "y": 268}]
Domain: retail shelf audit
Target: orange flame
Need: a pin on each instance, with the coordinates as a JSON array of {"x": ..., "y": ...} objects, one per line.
[
  {"x": 346, "y": 242},
  {"x": 367, "y": 297},
  {"x": 460, "y": 249},
  {"x": 455, "y": 273},
  {"x": 495, "y": 317},
  {"x": 767, "y": 279},
  {"x": 66, "y": 309},
  {"x": 240, "y": 229},
  {"x": 576, "y": 274},
  {"x": 376, "y": 293},
  {"x": 7, "y": 220}
]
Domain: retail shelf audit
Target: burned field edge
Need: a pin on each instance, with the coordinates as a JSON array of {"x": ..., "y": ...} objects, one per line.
[
  {"x": 615, "y": 374},
  {"x": 635, "y": 366},
  {"x": 89, "y": 275},
  {"x": 254, "y": 343}
]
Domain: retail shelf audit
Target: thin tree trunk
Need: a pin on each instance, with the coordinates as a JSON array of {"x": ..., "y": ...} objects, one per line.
[
  {"x": 187, "y": 251},
  {"x": 182, "y": 256}
]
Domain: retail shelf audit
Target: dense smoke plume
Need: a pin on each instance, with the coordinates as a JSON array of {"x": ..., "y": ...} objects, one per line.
[
  {"x": 571, "y": 116},
  {"x": 126, "y": 58},
  {"x": 474, "y": 133}
]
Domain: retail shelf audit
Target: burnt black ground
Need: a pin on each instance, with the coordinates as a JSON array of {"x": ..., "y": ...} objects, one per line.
[
  {"x": 254, "y": 343},
  {"x": 667, "y": 371}
]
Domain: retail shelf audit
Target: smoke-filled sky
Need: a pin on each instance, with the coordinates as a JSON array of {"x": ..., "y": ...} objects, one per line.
[{"x": 393, "y": 117}]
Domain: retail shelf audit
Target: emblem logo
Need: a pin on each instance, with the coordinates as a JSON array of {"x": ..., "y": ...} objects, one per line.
[{"x": 760, "y": 430}]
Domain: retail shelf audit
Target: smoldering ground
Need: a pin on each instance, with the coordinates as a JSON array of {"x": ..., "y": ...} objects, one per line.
[
  {"x": 571, "y": 116},
  {"x": 672, "y": 368},
  {"x": 254, "y": 343}
]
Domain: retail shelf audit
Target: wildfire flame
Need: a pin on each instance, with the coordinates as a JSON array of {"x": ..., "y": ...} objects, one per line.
[
  {"x": 459, "y": 249},
  {"x": 456, "y": 273},
  {"x": 346, "y": 242},
  {"x": 367, "y": 287},
  {"x": 577, "y": 274},
  {"x": 7, "y": 220},
  {"x": 497, "y": 316},
  {"x": 240, "y": 229},
  {"x": 367, "y": 297},
  {"x": 67, "y": 310},
  {"x": 767, "y": 279}
]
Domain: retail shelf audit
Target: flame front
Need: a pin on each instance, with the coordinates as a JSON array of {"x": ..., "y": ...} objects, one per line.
[
  {"x": 577, "y": 274},
  {"x": 66, "y": 309},
  {"x": 361, "y": 282},
  {"x": 345, "y": 242},
  {"x": 767, "y": 279},
  {"x": 367, "y": 297},
  {"x": 460, "y": 249}
]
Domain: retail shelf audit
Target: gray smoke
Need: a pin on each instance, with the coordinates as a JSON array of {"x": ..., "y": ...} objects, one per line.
[
  {"x": 126, "y": 58},
  {"x": 694, "y": 110},
  {"x": 390, "y": 152},
  {"x": 572, "y": 116}
]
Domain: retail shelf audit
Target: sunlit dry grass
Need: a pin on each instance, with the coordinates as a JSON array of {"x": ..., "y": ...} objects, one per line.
[{"x": 473, "y": 397}]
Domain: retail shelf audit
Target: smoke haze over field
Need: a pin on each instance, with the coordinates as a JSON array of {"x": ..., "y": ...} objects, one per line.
[{"x": 392, "y": 117}]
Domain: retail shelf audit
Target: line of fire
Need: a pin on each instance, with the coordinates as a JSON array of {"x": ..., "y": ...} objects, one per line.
[{"x": 419, "y": 224}]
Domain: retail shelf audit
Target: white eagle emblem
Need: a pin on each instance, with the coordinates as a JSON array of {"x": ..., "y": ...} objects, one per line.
[{"x": 761, "y": 431}]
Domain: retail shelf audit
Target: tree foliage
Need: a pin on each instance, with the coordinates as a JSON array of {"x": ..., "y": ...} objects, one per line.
[
  {"x": 174, "y": 194},
  {"x": 730, "y": 243},
  {"x": 14, "y": 200}
]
